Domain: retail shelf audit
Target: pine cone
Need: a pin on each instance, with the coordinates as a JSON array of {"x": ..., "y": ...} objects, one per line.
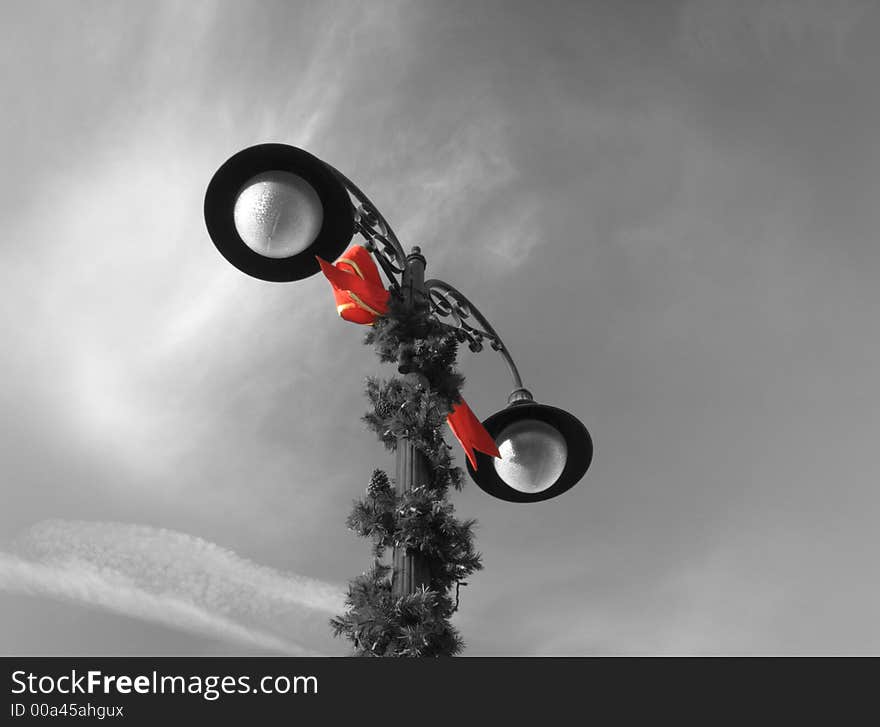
[{"x": 384, "y": 409}]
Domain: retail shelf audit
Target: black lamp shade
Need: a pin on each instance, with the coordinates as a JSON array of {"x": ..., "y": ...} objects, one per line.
[
  {"x": 578, "y": 451},
  {"x": 336, "y": 218}
]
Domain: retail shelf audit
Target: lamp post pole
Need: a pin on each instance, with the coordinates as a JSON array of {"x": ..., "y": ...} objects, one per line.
[
  {"x": 278, "y": 213},
  {"x": 410, "y": 568}
]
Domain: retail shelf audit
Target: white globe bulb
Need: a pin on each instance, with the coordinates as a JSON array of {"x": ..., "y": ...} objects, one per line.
[
  {"x": 278, "y": 214},
  {"x": 533, "y": 455}
]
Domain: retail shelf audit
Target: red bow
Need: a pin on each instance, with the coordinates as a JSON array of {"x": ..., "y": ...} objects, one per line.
[
  {"x": 361, "y": 298},
  {"x": 357, "y": 287},
  {"x": 471, "y": 433}
]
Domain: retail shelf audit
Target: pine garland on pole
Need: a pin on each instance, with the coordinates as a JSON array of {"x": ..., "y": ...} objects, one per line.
[{"x": 377, "y": 622}]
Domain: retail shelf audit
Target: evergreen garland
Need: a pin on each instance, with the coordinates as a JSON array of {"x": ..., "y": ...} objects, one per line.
[{"x": 376, "y": 622}]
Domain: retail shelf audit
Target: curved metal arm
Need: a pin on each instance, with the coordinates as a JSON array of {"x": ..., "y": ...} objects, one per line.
[
  {"x": 445, "y": 300},
  {"x": 381, "y": 240},
  {"x": 448, "y": 302}
]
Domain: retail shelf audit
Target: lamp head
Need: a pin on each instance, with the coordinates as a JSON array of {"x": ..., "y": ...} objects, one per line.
[
  {"x": 544, "y": 452},
  {"x": 272, "y": 208}
]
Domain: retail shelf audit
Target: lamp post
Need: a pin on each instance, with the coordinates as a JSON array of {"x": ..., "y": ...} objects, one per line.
[
  {"x": 410, "y": 571},
  {"x": 272, "y": 209}
]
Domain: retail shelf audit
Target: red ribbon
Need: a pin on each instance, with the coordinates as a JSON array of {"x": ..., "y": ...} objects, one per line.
[
  {"x": 471, "y": 433},
  {"x": 357, "y": 286},
  {"x": 361, "y": 298}
]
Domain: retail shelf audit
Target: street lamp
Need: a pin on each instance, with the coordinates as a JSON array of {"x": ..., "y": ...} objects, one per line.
[
  {"x": 272, "y": 209},
  {"x": 544, "y": 452}
]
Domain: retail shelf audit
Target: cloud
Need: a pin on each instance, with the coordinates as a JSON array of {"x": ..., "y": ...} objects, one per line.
[
  {"x": 84, "y": 583},
  {"x": 169, "y": 578},
  {"x": 800, "y": 37}
]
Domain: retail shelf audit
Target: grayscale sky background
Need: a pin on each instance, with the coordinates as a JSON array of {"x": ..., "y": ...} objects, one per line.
[{"x": 668, "y": 209}]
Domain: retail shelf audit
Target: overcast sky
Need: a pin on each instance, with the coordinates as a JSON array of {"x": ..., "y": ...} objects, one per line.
[{"x": 667, "y": 209}]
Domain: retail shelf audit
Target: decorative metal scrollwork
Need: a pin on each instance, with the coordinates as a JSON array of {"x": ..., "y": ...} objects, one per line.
[
  {"x": 446, "y": 301},
  {"x": 374, "y": 228},
  {"x": 451, "y": 304}
]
